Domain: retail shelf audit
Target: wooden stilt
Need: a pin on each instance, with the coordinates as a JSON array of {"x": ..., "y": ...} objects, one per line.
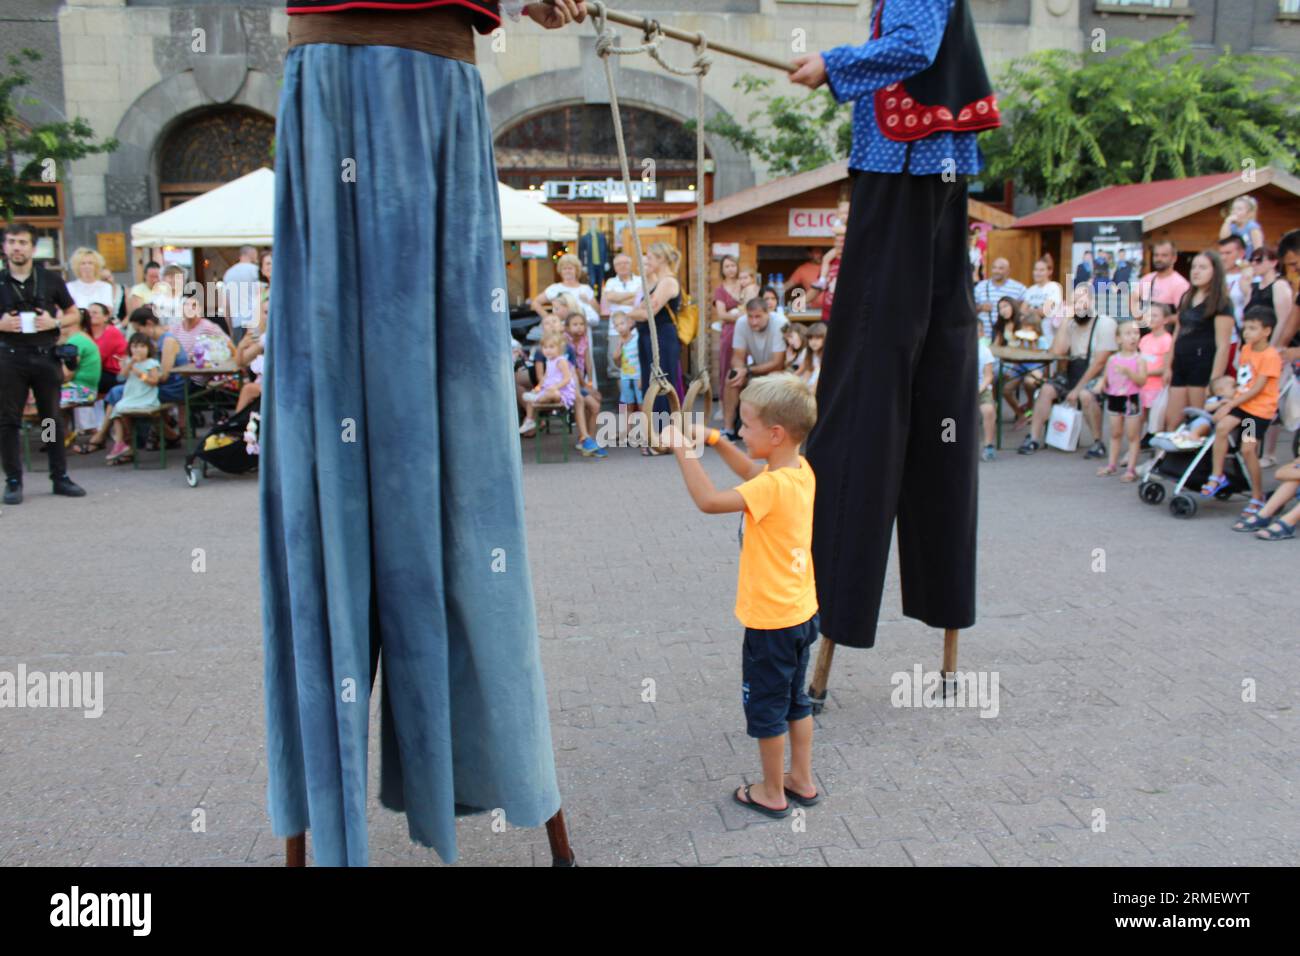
[
  {"x": 295, "y": 847},
  {"x": 558, "y": 834},
  {"x": 949, "y": 676},
  {"x": 295, "y": 850},
  {"x": 821, "y": 675}
]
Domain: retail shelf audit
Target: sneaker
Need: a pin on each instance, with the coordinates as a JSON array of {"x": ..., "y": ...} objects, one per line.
[
  {"x": 590, "y": 449},
  {"x": 527, "y": 428},
  {"x": 1098, "y": 450},
  {"x": 1028, "y": 446},
  {"x": 13, "y": 491},
  {"x": 989, "y": 454},
  {"x": 63, "y": 485},
  {"x": 117, "y": 451}
]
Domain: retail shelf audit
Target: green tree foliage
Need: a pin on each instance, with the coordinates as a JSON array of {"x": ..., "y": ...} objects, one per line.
[
  {"x": 789, "y": 134},
  {"x": 1139, "y": 112},
  {"x": 24, "y": 151}
]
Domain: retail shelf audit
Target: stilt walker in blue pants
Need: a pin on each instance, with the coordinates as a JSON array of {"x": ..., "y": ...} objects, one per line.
[{"x": 392, "y": 507}]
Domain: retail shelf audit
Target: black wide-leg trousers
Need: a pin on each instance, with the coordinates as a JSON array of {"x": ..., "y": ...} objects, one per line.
[{"x": 898, "y": 419}]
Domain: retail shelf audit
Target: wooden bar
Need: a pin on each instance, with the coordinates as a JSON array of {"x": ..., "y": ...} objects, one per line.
[
  {"x": 295, "y": 850},
  {"x": 642, "y": 23}
]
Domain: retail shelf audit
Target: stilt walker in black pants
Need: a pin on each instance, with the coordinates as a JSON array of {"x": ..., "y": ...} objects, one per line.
[{"x": 896, "y": 435}]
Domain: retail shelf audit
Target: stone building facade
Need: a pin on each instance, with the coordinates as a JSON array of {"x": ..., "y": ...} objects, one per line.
[{"x": 189, "y": 118}]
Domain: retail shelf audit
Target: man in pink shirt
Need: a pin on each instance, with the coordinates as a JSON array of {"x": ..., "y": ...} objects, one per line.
[{"x": 1161, "y": 285}]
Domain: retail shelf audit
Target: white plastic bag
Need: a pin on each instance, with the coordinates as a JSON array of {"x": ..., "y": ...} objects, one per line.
[
  {"x": 1289, "y": 399},
  {"x": 1064, "y": 426}
]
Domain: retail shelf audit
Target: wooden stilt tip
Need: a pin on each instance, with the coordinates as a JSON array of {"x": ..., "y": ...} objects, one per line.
[{"x": 295, "y": 850}]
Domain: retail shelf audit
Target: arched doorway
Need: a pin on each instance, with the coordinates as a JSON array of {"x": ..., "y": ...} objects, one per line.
[
  {"x": 205, "y": 149},
  {"x": 569, "y": 155}
]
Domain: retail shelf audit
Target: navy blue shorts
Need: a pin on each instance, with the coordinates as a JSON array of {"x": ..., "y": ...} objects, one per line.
[{"x": 774, "y": 665}]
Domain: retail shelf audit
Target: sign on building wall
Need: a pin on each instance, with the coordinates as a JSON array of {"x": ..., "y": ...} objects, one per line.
[
  {"x": 812, "y": 222},
  {"x": 112, "y": 246}
]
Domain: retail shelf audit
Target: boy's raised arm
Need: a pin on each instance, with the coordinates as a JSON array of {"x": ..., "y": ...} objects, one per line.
[{"x": 707, "y": 498}]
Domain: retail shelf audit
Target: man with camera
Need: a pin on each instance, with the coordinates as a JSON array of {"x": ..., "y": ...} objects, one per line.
[{"x": 34, "y": 305}]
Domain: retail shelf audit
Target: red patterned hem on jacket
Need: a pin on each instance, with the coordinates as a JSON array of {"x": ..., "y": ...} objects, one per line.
[{"x": 901, "y": 117}]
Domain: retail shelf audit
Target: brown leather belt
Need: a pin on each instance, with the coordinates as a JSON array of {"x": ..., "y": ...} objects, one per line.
[{"x": 443, "y": 31}]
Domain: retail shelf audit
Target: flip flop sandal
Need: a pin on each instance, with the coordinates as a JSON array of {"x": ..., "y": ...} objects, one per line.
[
  {"x": 800, "y": 799},
  {"x": 1282, "y": 532},
  {"x": 1214, "y": 486},
  {"x": 1129, "y": 476},
  {"x": 1107, "y": 472},
  {"x": 758, "y": 807},
  {"x": 1251, "y": 523}
]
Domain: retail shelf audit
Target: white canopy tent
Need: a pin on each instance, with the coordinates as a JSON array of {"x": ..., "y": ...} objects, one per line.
[
  {"x": 524, "y": 218},
  {"x": 237, "y": 213},
  {"x": 241, "y": 212}
]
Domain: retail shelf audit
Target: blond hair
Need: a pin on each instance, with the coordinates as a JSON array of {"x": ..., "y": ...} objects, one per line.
[
  {"x": 570, "y": 302},
  {"x": 667, "y": 252},
  {"x": 783, "y": 399},
  {"x": 569, "y": 259},
  {"x": 82, "y": 253},
  {"x": 556, "y": 340}
]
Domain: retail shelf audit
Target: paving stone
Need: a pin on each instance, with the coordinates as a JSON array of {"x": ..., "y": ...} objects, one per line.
[{"x": 1113, "y": 693}]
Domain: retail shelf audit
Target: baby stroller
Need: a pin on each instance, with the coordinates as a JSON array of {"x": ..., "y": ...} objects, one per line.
[
  {"x": 1190, "y": 467},
  {"x": 230, "y": 446}
]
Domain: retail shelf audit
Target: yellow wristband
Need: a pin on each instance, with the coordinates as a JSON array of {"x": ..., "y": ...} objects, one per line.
[{"x": 714, "y": 435}]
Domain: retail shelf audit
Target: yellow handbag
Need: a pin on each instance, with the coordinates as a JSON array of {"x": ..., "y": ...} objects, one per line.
[{"x": 687, "y": 320}]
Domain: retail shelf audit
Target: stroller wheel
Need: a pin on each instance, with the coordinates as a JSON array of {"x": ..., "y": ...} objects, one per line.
[
  {"x": 1182, "y": 506},
  {"x": 1152, "y": 492},
  {"x": 191, "y": 476}
]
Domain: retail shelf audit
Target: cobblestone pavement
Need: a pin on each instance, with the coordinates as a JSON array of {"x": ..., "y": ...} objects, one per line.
[{"x": 1121, "y": 690}]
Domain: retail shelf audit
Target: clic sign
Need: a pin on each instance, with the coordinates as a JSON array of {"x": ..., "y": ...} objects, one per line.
[{"x": 812, "y": 222}]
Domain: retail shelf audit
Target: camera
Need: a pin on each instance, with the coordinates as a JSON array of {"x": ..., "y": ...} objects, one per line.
[{"x": 68, "y": 355}]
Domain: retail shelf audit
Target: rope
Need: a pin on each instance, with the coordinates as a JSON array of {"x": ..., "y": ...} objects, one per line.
[
  {"x": 607, "y": 45},
  {"x": 652, "y": 39}
]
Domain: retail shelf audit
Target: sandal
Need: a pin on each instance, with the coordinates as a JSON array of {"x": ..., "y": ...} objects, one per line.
[
  {"x": 649, "y": 451},
  {"x": 1107, "y": 471},
  {"x": 1255, "y": 522},
  {"x": 749, "y": 802},
  {"x": 88, "y": 447},
  {"x": 1252, "y": 508},
  {"x": 1214, "y": 485},
  {"x": 1129, "y": 475},
  {"x": 800, "y": 799},
  {"x": 1279, "y": 530}
]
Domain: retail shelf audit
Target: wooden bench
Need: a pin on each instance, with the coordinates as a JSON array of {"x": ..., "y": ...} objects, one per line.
[
  {"x": 544, "y": 414},
  {"x": 31, "y": 419},
  {"x": 154, "y": 415}
]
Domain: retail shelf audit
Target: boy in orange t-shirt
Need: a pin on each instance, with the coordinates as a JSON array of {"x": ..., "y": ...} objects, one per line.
[
  {"x": 776, "y": 595},
  {"x": 1259, "y": 368}
]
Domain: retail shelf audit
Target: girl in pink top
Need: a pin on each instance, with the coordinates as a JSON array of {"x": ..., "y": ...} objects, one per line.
[
  {"x": 1126, "y": 371},
  {"x": 1155, "y": 346}
]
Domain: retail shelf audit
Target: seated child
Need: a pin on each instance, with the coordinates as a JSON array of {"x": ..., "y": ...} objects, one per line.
[
  {"x": 776, "y": 596},
  {"x": 142, "y": 374},
  {"x": 1251, "y": 408},
  {"x": 558, "y": 384},
  {"x": 1192, "y": 433},
  {"x": 796, "y": 349},
  {"x": 816, "y": 351}
]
